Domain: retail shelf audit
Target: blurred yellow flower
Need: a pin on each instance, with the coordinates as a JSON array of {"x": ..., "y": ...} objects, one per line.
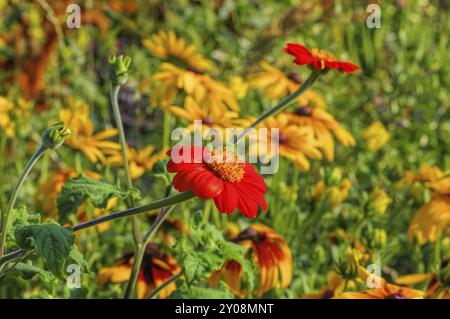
[
  {"x": 376, "y": 136},
  {"x": 334, "y": 194},
  {"x": 324, "y": 126},
  {"x": 427, "y": 173},
  {"x": 206, "y": 91},
  {"x": 276, "y": 85},
  {"x": 433, "y": 218},
  {"x": 6, "y": 123},
  {"x": 297, "y": 144},
  {"x": 238, "y": 86},
  {"x": 333, "y": 288},
  {"x": 338, "y": 194},
  {"x": 385, "y": 291},
  {"x": 379, "y": 201},
  {"x": 210, "y": 117},
  {"x": 139, "y": 161},
  {"x": 167, "y": 47},
  {"x": 184, "y": 70},
  {"x": 93, "y": 146}
]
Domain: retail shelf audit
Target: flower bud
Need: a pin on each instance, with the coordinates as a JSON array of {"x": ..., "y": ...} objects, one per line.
[
  {"x": 118, "y": 69},
  {"x": 53, "y": 136}
]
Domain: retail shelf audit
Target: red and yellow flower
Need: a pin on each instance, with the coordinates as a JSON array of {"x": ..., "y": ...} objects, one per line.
[
  {"x": 270, "y": 253},
  {"x": 318, "y": 59},
  {"x": 220, "y": 175},
  {"x": 156, "y": 269}
]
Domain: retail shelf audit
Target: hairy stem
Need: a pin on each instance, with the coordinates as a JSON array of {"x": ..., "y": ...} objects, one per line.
[
  {"x": 5, "y": 222},
  {"x": 117, "y": 117}
]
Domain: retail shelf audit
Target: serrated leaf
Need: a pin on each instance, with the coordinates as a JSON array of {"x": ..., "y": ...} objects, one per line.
[
  {"x": 76, "y": 190},
  {"x": 52, "y": 242}
]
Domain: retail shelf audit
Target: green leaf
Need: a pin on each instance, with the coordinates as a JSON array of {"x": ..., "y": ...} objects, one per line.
[
  {"x": 75, "y": 191},
  {"x": 27, "y": 271},
  {"x": 20, "y": 217},
  {"x": 78, "y": 258},
  {"x": 52, "y": 242},
  {"x": 186, "y": 292}
]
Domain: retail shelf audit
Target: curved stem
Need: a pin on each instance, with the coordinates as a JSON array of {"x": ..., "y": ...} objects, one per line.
[
  {"x": 117, "y": 117},
  {"x": 141, "y": 250},
  {"x": 283, "y": 103},
  {"x": 157, "y": 290},
  {"x": 5, "y": 222},
  {"x": 165, "y": 202},
  {"x": 161, "y": 203}
]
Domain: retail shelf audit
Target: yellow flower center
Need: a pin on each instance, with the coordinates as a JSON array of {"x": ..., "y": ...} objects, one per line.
[
  {"x": 228, "y": 168},
  {"x": 323, "y": 55}
]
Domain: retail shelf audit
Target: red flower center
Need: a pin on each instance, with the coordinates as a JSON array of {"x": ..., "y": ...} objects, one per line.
[{"x": 228, "y": 168}]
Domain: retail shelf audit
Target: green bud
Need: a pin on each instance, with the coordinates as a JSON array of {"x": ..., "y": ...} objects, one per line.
[
  {"x": 53, "y": 136},
  {"x": 118, "y": 69}
]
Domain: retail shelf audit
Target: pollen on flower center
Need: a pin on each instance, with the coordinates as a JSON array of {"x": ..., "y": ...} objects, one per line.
[
  {"x": 229, "y": 170},
  {"x": 323, "y": 55}
]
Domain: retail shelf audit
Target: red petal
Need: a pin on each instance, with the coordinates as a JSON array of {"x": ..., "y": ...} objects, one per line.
[{"x": 226, "y": 202}]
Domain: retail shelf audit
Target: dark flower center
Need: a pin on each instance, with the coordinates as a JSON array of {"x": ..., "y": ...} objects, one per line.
[
  {"x": 195, "y": 70},
  {"x": 304, "y": 111},
  {"x": 395, "y": 296},
  {"x": 207, "y": 121}
]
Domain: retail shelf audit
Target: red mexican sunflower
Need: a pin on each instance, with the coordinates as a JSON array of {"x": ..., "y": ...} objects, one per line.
[
  {"x": 318, "y": 59},
  {"x": 156, "y": 269},
  {"x": 232, "y": 183}
]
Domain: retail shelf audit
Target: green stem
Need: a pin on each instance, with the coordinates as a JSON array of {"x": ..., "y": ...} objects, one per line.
[
  {"x": 283, "y": 103},
  {"x": 141, "y": 250},
  {"x": 117, "y": 117},
  {"x": 161, "y": 203},
  {"x": 157, "y": 290},
  {"x": 5, "y": 222}
]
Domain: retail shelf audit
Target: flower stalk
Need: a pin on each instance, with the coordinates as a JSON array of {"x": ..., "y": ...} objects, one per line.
[
  {"x": 52, "y": 138},
  {"x": 119, "y": 75},
  {"x": 283, "y": 103}
]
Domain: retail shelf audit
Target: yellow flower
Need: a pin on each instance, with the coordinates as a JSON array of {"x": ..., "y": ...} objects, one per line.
[
  {"x": 276, "y": 85},
  {"x": 93, "y": 146},
  {"x": 376, "y": 136},
  {"x": 238, "y": 86},
  {"x": 167, "y": 47},
  {"x": 139, "y": 161},
  {"x": 184, "y": 70},
  {"x": 427, "y": 173},
  {"x": 433, "y": 218},
  {"x": 156, "y": 268},
  {"x": 206, "y": 91},
  {"x": 333, "y": 288},
  {"x": 334, "y": 194},
  {"x": 379, "y": 201},
  {"x": 297, "y": 144},
  {"x": 6, "y": 123},
  {"x": 324, "y": 126},
  {"x": 338, "y": 194},
  {"x": 210, "y": 117},
  {"x": 384, "y": 291}
]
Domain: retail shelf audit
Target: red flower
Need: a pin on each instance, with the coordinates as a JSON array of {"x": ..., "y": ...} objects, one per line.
[
  {"x": 319, "y": 59},
  {"x": 230, "y": 182}
]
